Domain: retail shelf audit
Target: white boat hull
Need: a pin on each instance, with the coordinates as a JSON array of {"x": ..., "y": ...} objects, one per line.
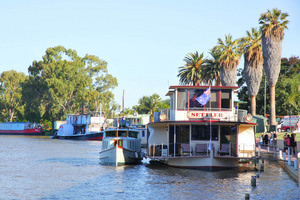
[
  {"x": 209, "y": 163},
  {"x": 119, "y": 156}
]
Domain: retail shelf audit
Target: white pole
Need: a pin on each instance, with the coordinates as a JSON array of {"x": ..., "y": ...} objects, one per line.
[
  {"x": 299, "y": 172},
  {"x": 280, "y": 154},
  {"x": 289, "y": 156}
]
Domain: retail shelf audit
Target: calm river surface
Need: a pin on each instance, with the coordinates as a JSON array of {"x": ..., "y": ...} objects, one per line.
[{"x": 42, "y": 168}]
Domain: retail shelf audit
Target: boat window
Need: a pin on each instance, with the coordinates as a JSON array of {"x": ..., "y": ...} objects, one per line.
[
  {"x": 226, "y": 96},
  {"x": 194, "y": 104},
  {"x": 182, "y": 96},
  {"x": 122, "y": 133},
  {"x": 111, "y": 134},
  {"x": 214, "y": 99},
  {"x": 133, "y": 134},
  {"x": 201, "y": 132},
  {"x": 114, "y": 133}
]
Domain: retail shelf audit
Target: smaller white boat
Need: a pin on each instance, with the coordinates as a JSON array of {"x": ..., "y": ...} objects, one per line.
[
  {"x": 121, "y": 146},
  {"x": 84, "y": 126}
]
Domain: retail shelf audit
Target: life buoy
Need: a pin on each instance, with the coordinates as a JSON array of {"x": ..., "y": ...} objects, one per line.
[
  {"x": 163, "y": 117},
  {"x": 248, "y": 117}
]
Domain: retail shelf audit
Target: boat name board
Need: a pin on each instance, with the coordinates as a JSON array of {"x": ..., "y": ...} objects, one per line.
[{"x": 201, "y": 114}]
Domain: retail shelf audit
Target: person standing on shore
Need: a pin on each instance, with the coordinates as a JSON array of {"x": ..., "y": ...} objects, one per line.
[
  {"x": 266, "y": 139},
  {"x": 261, "y": 139},
  {"x": 275, "y": 139},
  {"x": 284, "y": 144},
  {"x": 293, "y": 144},
  {"x": 288, "y": 142}
]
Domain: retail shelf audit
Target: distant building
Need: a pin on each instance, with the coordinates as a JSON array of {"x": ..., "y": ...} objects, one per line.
[{"x": 138, "y": 119}]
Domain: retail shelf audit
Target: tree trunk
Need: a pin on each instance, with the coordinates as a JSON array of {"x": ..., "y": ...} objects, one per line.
[
  {"x": 272, "y": 58},
  {"x": 273, "y": 106},
  {"x": 228, "y": 76},
  {"x": 253, "y": 105}
]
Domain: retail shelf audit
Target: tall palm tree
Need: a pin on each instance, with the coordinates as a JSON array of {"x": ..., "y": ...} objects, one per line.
[
  {"x": 229, "y": 60},
  {"x": 190, "y": 73},
  {"x": 211, "y": 69},
  {"x": 253, "y": 65},
  {"x": 272, "y": 26}
]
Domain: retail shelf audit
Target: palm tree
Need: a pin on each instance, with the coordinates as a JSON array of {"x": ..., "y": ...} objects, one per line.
[
  {"x": 211, "y": 69},
  {"x": 229, "y": 60},
  {"x": 190, "y": 73},
  {"x": 253, "y": 65},
  {"x": 272, "y": 26}
]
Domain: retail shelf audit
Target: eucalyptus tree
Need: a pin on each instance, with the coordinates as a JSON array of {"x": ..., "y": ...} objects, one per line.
[
  {"x": 190, "y": 73},
  {"x": 62, "y": 81},
  {"x": 211, "y": 69},
  {"x": 11, "y": 95},
  {"x": 272, "y": 26},
  {"x": 253, "y": 64},
  {"x": 229, "y": 60}
]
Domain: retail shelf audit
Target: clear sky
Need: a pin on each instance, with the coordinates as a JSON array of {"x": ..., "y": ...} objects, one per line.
[{"x": 143, "y": 41}]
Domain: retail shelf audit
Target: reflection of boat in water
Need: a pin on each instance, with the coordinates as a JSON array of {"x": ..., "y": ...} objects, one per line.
[
  {"x": 81, "y": 127},
  {"x": 19, "y": 128},
  {"x": 214, "y": 136},
  {"x": 121, "y": 146}
]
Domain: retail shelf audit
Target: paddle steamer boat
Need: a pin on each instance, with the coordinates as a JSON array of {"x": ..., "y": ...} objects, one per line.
[{"x": 213, "y": 136}]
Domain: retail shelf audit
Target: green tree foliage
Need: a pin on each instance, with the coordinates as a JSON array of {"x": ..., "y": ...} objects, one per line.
[
  {"x": 211, "y": 69},
  {"x": 287, "y": 87},
  {"x": 190, "y": 73},
  {"x": 150, "y": 104},
  {"x": 11, "y": 95},
  {"x": 62, "y": 81}
]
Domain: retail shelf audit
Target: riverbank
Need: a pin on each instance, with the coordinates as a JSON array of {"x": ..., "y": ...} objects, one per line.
[{"x": 274, "y": 153}]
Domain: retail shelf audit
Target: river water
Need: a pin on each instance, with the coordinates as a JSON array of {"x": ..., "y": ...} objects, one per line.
[{"x": 42, "y": 168}]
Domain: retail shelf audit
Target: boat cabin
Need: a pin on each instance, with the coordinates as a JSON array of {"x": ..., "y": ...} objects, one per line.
[{"x": 191, "y": 129}]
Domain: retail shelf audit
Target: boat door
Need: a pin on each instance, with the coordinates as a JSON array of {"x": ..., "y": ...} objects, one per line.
[
  {"x": 178, "y": 135},
  {"x": 228, "y": 135}
]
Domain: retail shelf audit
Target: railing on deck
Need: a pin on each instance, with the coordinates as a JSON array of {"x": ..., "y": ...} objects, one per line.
[
  {"x": 236, "y": 115},
  {"x": 199, "y": 149}
]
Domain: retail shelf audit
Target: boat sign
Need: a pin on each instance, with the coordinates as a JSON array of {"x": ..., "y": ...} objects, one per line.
[{"x": 201, "y": 114}]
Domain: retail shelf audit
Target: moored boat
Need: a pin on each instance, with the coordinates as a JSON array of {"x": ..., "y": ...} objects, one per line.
[
  {"x": 19, "y": 128},
  {"x": 196, "y": 134},
  {"x": 121, "y": 146},
  {"x": 85, "y": 126}
]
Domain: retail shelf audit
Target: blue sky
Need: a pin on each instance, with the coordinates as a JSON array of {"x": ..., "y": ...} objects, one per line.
[{"x": 144, "y": 42}]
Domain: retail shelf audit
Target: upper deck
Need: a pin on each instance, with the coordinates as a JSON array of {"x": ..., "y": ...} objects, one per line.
[{"x": 185, "y": 107}]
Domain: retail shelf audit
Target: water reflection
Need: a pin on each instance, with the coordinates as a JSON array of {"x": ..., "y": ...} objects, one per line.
[{"x": 35, "y": 168}]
